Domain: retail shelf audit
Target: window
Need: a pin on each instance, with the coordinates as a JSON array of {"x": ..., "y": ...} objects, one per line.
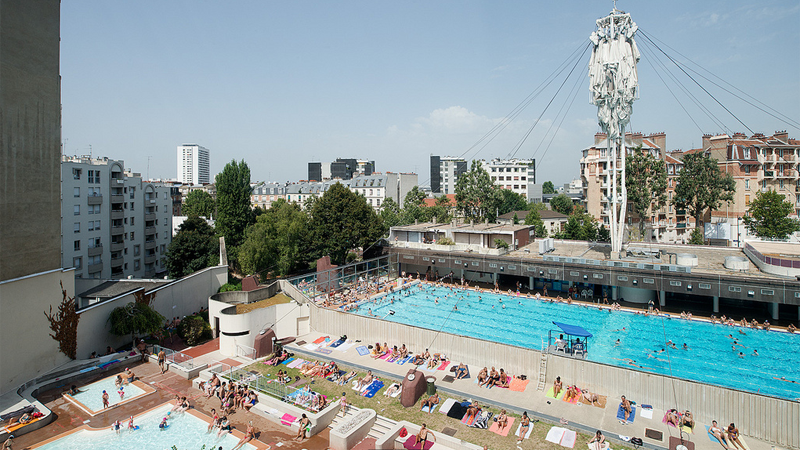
[
  {"x": 163, "y": 248},
  {"x": 90, "y": 226},
  {"x": 96, "y": 225},
  {"x": 76, "y": 192},
  {"x": 132, "y": 205},
  {"x": 91, "y": 176},
  {"x": 137, "y": 265},
  {"x": 747, "y": 169},
  {"x": 137, "y": 250},
  {"x": 77, "y": 227},
  {"x": 747, "y": 184},
  {"x": 763, "y": 184},
  {"x": 76, "y": 174},
  {"x": 76, "y": 210},
  {"x": 780, "y": 182},
  {"x": 746, "y": 200},
  {"x": 77, "y": 262},
  {"x": 95, "y": 242},
  {"x": 132, "y": 235},
  {"x": 76, "y": 245}
]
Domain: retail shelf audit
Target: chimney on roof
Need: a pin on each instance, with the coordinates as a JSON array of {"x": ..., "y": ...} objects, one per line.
[
  {"x": 739, "y": 136},
  {"x": 598, "y": 137},
  {"x": 758, "y": 136},
  {"x": 782, "y": 135},
  {"x": 707, "y": 140}
]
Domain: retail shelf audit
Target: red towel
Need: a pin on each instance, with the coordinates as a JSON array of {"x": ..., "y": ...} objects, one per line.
[
  {"x": 518, "y": 385},
  {"x": 409, "y": 444},
  {"x": 444, "y": 364},
  {"x": 321, "y": 340},
  {"x": 286, "y": 419}
]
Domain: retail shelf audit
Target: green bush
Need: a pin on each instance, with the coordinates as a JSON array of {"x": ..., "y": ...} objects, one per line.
[
  {"x": 194, "y": 330},
  {"x": 352, "y": 256},
  {"x": 445, "y": 241},
  {"x": 228, "y": 287},
  {"x": 499, "y": 243}
]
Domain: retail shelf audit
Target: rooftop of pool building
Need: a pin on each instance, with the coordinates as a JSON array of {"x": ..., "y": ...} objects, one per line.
[{"x": 753, "y": 360}]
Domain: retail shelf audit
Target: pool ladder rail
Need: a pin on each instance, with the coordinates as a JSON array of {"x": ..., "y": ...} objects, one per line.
[{"x": 542, "y": 368}]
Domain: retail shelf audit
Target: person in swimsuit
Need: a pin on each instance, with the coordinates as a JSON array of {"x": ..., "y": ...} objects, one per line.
[
  {"x": 305, "y": 423},
  {"x": 502, "y": 379},
  {"x": 687, "y": 420},
  {"x": 105, "y": 399},
  {"x": 214, "y": 420},
  {"x": 626, "y": 409},
  {"x": 733, "y": 437},
  {"x": 502, "y": 420},
  {"x": 525, "y": 425},
  {"x": 343, "y": 404},
  {"x": 717, "y": 432},
  {"x": 249, "y": 435},
  {"x": 557, "y": 387},
  {"x": 572, "y": 393},
  {"x": 224, "y": 426},
  {"x": 598, "y": 440},
  {"x": 422, "y": 436},
  {"x": 483, "y": 376},
  {"x": 162, "y": 361},
  {"x": 493, "y": 377},
  {"x": 461, "y": 371},
  {"x": 473, "y": 411},
  {"x": 432, "y": 401},
  {"x": 673, "y": 418},
  {"x": 129, "y": 376}
]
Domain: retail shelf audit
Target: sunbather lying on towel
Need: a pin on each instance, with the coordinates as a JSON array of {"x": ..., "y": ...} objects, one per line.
[
  {"x": 591, "y": 397},
  {"x": 432, "y": 401},
  {"x": 673, "y": 418},
  {"x": 366, "y": 380},
  {"x": 572, "y": 393},
  {"x": 346, "y": 379},
  {"x": 473, "y": 411},
  {"x": 461, "y": 371},
  {"x": 421, "y": 358}
]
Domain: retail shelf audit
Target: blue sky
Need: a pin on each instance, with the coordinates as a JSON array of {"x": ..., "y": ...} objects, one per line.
[{"x": 280, "y": 84}]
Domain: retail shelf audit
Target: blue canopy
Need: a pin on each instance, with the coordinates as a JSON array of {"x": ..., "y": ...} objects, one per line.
[{"x": 573, "y": 330}]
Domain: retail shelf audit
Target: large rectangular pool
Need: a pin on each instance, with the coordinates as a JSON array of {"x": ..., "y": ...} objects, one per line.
[{"x": 713, "y": 354}]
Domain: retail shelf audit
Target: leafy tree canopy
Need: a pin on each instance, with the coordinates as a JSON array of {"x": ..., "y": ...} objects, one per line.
[
  {"x": 234, "y": 213},
  {"x": 646, "y": 183},
  {"x": 135, "y": 318},
  {"x": 278, "y": 241},
  {"x": 702, "y": 186},
  {"x": 535, "y": 219},
  {"x": 342, "y": 220},
  {"x": 198, "y": 203},
  {"x": 548, "y": 188},
  {"x": 390, "y": 214},
  {"x": 768, "y": 216},
  {"x": 511, "y": 201},
  {"x": 476, "y": 196},
  {"x": 562, "y": 203},
  {"x": 193, "y": 248}
]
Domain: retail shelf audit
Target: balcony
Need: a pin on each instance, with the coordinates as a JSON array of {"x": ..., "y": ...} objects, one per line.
[
  {"x": 97, "y": 250},
  {"x": 149, "y": 230},
  {"x": 117, "y": 246},
  {"x": 117, "y": 214},
  {"x": 117, "y": 181},
  {"x": 769, "y": 173},
  {"x": 150, "y": 245},
  {"x": 150, "y": 258},
  {"x": 117, "y": 198},
  {"x": 117, "y": 262},
  {"x": 680, "y": 212},
  {"x": 151, "y": 201},
  {"x": 94, "y": 268},
  {"x": 94, "y": 199},
  {"x": 115, "y": 231},
  {"x": 149, "y": 216},
  {"x": 681, "y": 225}
]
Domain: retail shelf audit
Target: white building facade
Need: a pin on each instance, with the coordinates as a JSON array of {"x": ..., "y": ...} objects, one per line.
[
  {"x": 512, "y": 174},
  {"x": 445, "y": 171},
  {"x": 375, "y": 188},
  {"x": 193, "y": 164},
  {"x": 113, "y": 224}
]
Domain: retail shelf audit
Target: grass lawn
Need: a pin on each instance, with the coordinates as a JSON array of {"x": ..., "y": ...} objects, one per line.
[{"x": 392, "y": 409}]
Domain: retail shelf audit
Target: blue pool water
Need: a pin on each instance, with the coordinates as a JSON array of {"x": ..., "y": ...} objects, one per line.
[
  {"x": 91, "y": 395},
  {"x": 525, "y": 321},
  {"x": 185, "y": 431}
]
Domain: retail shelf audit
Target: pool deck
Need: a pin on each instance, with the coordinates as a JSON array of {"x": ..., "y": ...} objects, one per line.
[
  {"x": 583, "y": 418},
  {"x": 167, "y": 385}
]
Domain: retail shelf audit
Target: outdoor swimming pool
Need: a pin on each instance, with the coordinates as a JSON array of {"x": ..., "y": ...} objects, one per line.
[
  {"x": 91, "y": 395},
  {"x": 185, "y": 431},
  {"x": 523, "y": 322}
]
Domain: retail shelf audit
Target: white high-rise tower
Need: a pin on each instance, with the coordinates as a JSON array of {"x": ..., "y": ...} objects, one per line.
[
  {"x": 193, "y": 164},
  {"x": 614, "y": 85}
]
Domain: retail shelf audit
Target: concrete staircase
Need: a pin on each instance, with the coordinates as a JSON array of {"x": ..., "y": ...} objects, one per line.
[{"x": 378, "y": 430}]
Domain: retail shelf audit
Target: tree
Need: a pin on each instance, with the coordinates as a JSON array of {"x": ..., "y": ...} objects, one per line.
[
  {"x": 580, "y": 226},
  {"x": 701, "y": 186},
  {"x": 193, "y": 248},
  {"x": 391, "y": 214},
  {"x": 198, "y": 203},
  {"x": 562, "y": 203},
  {"x": 603, "y": 235},
  {"x": 476, "y": 196},
  {"x": 441, "y": 210},
  {"x": 341, "y": 220},
  {"x": 548, "y": 188},
  {"x": 768, "y": 216},
  {"x": 511, "y": 201},
  {"x": 646, "y": 183},
  {"x": 535, "y": 219},
  {"x": 135, "y": 318},
  {"x": 234, "y": 213},
  {"x": 414, "y": 206},
  {"x": 278, "y": 241}
]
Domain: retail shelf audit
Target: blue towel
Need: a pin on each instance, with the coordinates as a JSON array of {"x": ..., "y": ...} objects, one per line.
[
  {"x": 362, "y": 350},
  {"x": 621, "y": 413},
  {"x": 337, "y": 343},
  {"x": 373, "y": 388},
  {"x": 405, "y": 360},
  {"x": 286, "y": 361}
]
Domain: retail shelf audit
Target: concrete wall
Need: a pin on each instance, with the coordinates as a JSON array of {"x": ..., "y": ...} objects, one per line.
[
  {"x": 771, "y": 419},
  {"x": 28, "y": 350},
  {"x": 30, "y": 138},
  {"x": 179, "y": 298}
]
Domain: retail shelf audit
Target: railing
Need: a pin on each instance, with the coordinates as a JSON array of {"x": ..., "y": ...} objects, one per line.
[
  {"x": 300, "y": 397},
  {"x": 246, "y": 352},
  {"x": 779, "y": 262},
  {"x": 174, "y": 357}
]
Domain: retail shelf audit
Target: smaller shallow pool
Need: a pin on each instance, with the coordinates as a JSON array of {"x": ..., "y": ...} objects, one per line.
[
  {"x": 185, "y": 431},
  {"x": 90, "y": 396}
]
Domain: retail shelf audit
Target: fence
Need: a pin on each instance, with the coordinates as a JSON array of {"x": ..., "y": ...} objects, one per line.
[
  {"x": 300, "y": 397},
  {"x": 175, "y": 357},
  {"x": 381, "y": 270},
  {"x": 246, "y": 352}
]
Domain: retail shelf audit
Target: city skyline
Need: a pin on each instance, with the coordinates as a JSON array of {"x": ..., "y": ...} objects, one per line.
[{"x": 281, "y": 85}]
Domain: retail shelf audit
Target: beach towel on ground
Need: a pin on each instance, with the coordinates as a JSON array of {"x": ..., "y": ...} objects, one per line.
[
  {"x": 324, "y": 351},
  {"x": 447, "y": 405},
  {"x": 600, "y": 403},
  {"x": 409, "y": 443},
  {"x": 528, "y": 434},
  {"x": 483, "y": 420},
  {"x": 687, "y": 429},
  {"x": 568, "y": 440},
  {"x": 646, "y": 413},
  {"x": 621, "y": 413},
  {"x": 518, "y": 385},
  {"x": 428, "y": 409},
  {"x": 373, "y": 389},
  {"x": 471, "y": 420},
  {"x": 362, "y": 350},
  {"x": 504, "y": 432},
  {"x": 321, "y": 340},
  {"x": 345, "y": 347},
  {"x": 458, "y": 410},
  {"x": 311, "y": 347},
  {"x": 296, "y": 363},
  {"x": 336, "y": 344},
  {"x": 572, "y": 401},
  {"x": 286, "y": 362},
  {"x": 386, "y": 356},
  {"x": 555, "y": 435},
  {"x": 392, "y": 359},
  {"x": 386, "y": 393},
  {"x": 444, "y": 365},
  {"x": 402, "y": 361},
  {"x": 550, "y": 394}
]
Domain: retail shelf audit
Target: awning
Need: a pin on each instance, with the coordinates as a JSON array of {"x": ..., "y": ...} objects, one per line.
[{"x": 573, "y": 330}]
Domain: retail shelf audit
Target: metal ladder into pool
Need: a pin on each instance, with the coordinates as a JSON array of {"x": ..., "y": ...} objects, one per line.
[{"x": 543, "y": 368}]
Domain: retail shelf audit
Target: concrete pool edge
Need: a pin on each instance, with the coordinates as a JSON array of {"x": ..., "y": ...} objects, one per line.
[{"x": 138, "y": 383}]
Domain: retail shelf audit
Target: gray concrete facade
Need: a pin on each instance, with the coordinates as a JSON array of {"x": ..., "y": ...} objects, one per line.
[{"x": 30, "y": 137}]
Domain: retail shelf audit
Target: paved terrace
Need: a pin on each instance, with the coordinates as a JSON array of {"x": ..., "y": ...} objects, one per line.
[{"x": 581, "y": 417}]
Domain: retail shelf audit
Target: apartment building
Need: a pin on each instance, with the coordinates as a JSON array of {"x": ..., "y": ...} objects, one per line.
[
  {"x": 376, "y": 188},
  {"x": 193, "y": 164},
  {"x": 445, "y": 171},
  {"x": 113, "y": 224},
  {"x": 513, "y": 174},
  {"x": 264, "y": 194},
  {"x": 341, "y": 169}
]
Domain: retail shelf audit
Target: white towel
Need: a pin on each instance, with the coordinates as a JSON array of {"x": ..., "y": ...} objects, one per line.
[
  {"x": 555, "y": 435},
  {"x": 447, "y": 405},
  {"x": 528, "y": 434},
  {"x": 646, "y": 413}
]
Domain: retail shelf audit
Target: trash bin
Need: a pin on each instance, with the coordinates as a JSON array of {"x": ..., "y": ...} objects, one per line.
[{"x": 431, "y": 385}]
